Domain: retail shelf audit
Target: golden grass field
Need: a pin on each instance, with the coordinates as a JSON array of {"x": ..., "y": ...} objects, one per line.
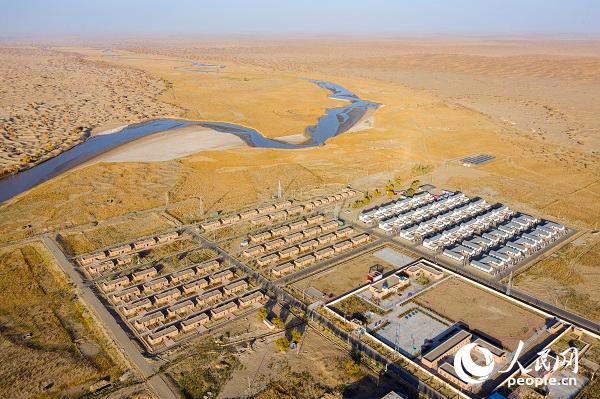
[{"x": 48, "y": 342}]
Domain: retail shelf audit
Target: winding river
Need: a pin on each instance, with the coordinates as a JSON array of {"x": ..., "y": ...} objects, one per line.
[{"x": 335, "y": 121}]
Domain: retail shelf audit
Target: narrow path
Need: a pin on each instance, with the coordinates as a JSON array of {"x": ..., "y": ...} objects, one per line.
[{"x": 155, "y": 381}]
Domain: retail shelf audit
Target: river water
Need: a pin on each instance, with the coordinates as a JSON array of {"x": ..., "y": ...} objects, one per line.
[{"x": 335, "y": 121}]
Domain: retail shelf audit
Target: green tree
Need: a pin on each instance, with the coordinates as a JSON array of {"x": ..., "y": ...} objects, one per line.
[
  {"x": 282, "y": 344},
  {"x": 262, "y": 313},
  {"x": 296, "y": 335},
  {"x": 278, "y": 322}
]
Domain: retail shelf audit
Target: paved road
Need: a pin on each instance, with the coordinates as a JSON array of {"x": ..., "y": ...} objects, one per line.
[
  {"x": 129, "y": 347},
  {"x": 357, "y": 344},
  {"x": 495, "y": 285}
]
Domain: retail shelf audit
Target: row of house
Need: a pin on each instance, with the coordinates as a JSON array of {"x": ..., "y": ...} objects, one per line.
[
  {"x": 147, "y": 279},
  {"x": 143, "y": 314},
  {"x": 513, "y": 248},
  {"x": 422, "y": 224},
  {"x": 458, "y": 226},
  {"x": 125, "y": 249},
  {"x": 98, "y": 269},
  {"x": 277, "y": 212},
  {"x": 193, "y": 322},
  {"x": 394, "y": 208},
  {"x": 282, "y": 242},
  {"x": 320, "y": 254},
  {"x": 443, "y": 204},
  {"x": 440, "y": 358},
  {"x": 285, "y": 229}
]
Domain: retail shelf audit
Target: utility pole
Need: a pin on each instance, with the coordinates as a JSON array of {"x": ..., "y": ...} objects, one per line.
[
  {"x": 279, "y": 191},
  {"x": 508, "y": 286}
]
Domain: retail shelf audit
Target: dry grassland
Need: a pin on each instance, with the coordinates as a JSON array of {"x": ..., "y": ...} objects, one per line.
[
  {"x": 480, "y": 310},
  {"x": 569, "y": 277},
  {"x": 48, "y": 345},
  {"x": 108, "y": 234}
]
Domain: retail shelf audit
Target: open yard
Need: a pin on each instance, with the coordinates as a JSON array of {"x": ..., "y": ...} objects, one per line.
[
  {"x": 48, "y": 344},
  {"x": 344, "y": 277},
  {"x": 482, "y": 311}
]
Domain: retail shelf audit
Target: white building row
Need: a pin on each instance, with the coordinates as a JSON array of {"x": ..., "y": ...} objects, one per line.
[{"x": 394, "y": 208}]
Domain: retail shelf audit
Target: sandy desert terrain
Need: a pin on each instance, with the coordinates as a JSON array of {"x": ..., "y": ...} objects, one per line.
[{"x": 50, "y": 101}]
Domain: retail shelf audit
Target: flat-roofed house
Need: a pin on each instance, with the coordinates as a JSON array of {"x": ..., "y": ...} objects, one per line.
[
  {"x": 282, "y": 269},
  {"x": 253, "y": 251},
  {"x": 209, "y": 297},
  {"x": 289, "y": 252},
  {"x": 308, "y": 245},
  {"x": 143, "y": 244},
  {"x": 134, "y": 308},
  {"x": 389, "y": 285},
  {"x": 194, "y": 322},
  {"x": 274, "y": 244},
  {"x": 360, "y": 239},
  {"x": 223, "y": 310},
  {"x": 304, "y": 261},
  {"x": 123, "y": 260},
  {"x": 342, "y": 246},
  {"x": 295, "y": 210},
  {"x": 166, "y": 237},
  {"x": 99, "y": 268},
  {"x": 120, "y": 250},
  {"x": 324, "y": 253},
  {"x": 148, "y": 320},
  {"x": 298, "y": 225},
  {"x": 155, "y": 285},
  {"x": 280, "y": 231},
  {"x": 266, "y": 209},
  {"x": 115, "y": 284},
  {"x": 312, "y": 231},
  {"x": 267, "y": 260},
  {"x": 326, "y": 239},
  {"x": 250, "y": 299},
  {"x": 126, "y": 295},
  {"x": 160, "y": 336},
  {"x": 145, "y": 274},
  {"x": 345, "y": 232},
  {"x": 238, "y": 286},
  {"x": 181, "y": 308},
  {"x": 91, "y": 258},
  {"x": 498, "y": 353},
  {"x": 260, "y": 237},
  {"x": 182, "y": 275},
  {"x": 208, "y": 266},
  {"x": 328, "y": 226},
  {"x": 283, "y": 204},
  {"x": 231, "y": 219},
  {"x": 293, "y": 238},
  {"x": 423, "y": 270},
  {"x": 260, "y": 220},
  {"x": 220, "y": 277},
  {"x": 448, "y": 347},
  {"x": 167, "y": 296},
  {"x": 210, "y": 225},
  {"x": 194, "y": 286},
  {"x": 309, "y": 206},
  {"x": 278, "y": 216},
  {"x": 315, "y": 219},
  {"x": 249, "y": 214}
]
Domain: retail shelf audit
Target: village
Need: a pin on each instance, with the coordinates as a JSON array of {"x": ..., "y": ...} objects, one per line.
[{"x": 396, "y": 275}]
